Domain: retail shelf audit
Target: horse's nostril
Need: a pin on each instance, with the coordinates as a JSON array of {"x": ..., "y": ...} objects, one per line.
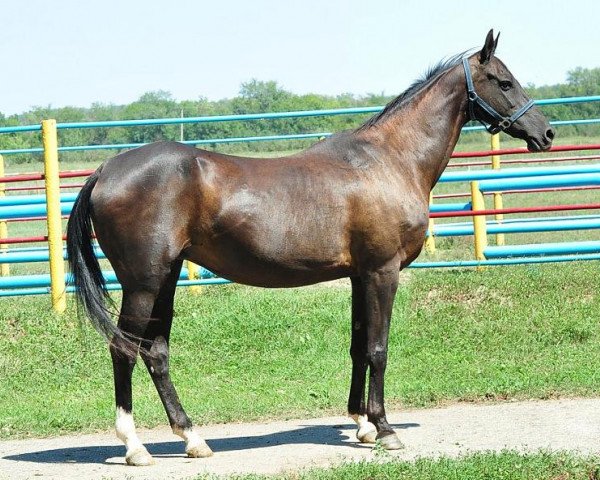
[{"x": 550, "y": 133}]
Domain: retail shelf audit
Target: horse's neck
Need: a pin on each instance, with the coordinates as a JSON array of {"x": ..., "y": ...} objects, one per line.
[{"x": 423, "y": 134}]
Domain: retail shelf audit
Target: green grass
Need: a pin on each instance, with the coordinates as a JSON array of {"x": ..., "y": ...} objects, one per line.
[
  {"x": 506, "y": 465},
  {"x": 240, "y": 353}
]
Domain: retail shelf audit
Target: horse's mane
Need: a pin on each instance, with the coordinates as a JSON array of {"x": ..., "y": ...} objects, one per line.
[{"x": 430, "y": 76}]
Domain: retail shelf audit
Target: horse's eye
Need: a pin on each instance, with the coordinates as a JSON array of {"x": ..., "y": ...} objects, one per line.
[{"x": 505, "y": 85}]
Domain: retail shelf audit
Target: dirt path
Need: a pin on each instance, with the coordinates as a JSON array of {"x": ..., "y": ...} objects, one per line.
[{"x": 273, "y": 447}]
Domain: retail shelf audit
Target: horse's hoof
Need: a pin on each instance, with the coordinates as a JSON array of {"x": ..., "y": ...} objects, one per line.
[
  {"x": 139, "y": 458},
  {"x": 391, "y": 442},
  {"x": 367, "y": 433},
  {"x": 199, "y": 451}
]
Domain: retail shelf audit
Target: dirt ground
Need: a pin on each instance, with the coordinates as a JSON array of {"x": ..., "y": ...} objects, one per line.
[{"x": 568, "y": 424}]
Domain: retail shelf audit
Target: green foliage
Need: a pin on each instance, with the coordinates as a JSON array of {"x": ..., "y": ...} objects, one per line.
[
  {"x": 257, "y": 96},
  {"x": 580, "y": 82},
  {"x": 505, "y": 465}
]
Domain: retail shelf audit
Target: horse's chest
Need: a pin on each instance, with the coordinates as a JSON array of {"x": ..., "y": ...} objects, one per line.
[{"x": 399, "y": 233}]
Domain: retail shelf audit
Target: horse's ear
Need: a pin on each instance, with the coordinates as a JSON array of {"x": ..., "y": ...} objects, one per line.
[{"x": 489, "y": 47}]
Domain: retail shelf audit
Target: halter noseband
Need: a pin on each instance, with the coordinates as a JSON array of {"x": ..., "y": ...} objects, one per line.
[{"x": 502, "y": 123}]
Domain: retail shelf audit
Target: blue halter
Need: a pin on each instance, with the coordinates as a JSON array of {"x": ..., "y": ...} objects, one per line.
[{"x": 502, "y": 123}]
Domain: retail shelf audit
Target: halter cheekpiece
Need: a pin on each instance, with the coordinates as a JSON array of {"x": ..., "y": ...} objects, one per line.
[{"x": 502, "y": 123}]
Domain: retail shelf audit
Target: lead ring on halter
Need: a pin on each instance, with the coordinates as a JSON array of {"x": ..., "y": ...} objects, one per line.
[{"x": 473, "y": 99}]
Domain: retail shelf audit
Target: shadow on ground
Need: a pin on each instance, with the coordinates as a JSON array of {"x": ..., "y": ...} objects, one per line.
[{"x": 310, "y": 434}]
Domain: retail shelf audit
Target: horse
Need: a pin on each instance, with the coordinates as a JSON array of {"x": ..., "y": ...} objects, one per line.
[{"x": 353, "y": 205}]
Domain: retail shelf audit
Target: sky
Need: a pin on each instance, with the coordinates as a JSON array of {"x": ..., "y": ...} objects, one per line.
[{"x": 74, "y": 53}]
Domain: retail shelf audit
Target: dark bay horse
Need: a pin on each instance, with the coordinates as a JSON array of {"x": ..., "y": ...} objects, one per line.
[{"x": 354, "y": 205}]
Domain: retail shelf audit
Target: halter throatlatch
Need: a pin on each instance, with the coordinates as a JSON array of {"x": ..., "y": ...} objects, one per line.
[{"x": 502, "y": 123}]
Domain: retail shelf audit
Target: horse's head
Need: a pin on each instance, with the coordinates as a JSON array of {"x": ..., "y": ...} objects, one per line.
[{"x": 511, "y": 109}]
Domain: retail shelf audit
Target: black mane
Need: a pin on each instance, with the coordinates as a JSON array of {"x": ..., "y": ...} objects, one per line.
[{"x": 432, "y": 73}]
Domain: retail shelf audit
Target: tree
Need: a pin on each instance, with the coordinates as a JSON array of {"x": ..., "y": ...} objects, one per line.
[
  {"x": 584, "y": 81},
  {"x": 156, "y": 104}
]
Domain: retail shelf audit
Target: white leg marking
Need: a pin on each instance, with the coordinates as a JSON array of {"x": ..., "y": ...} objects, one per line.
[
  {"x": 195, "y": 446},
  {"x": 136, "y": 452},
  {"x": 367, "y": 432}
]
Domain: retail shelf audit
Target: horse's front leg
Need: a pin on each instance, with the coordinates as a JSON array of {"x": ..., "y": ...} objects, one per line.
[
  {"x": 357, "y": 408},
  {"x": 380, "y": 290}
]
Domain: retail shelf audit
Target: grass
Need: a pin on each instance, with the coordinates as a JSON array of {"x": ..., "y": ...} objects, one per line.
[
  {"x": 506, "y": 465},
  {"x": 240, "y": 353}
]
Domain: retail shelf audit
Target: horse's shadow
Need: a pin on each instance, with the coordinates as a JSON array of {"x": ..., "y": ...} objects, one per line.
[{"x": 310, "y": 434}]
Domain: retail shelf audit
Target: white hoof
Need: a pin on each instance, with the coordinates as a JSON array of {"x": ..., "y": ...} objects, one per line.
[
  {"x": 201, "y": 450},
  {"x": 139, "y": 457},
  {"x": 195, "y": 446},
  {"x": 367, "y": 434}
]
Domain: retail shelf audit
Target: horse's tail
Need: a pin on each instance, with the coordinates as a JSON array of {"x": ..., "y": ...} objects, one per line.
[{"x": 90, "y": 286}]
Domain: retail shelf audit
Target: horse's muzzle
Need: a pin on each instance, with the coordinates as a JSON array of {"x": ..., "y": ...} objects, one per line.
[{"x": 542, "y": 144}]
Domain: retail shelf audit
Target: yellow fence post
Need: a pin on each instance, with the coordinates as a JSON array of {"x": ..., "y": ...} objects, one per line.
[
  {"x": 4, "y": 267},
  {"x": 193, "y": 274},
  {"x": 498, "y": 204},
  {"x": 55, "y": 241},
  {"x": 430, "y": 240},
  {"x": 479, "y": 226}
]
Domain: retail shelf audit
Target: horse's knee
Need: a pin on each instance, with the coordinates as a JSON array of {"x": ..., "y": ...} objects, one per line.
[{"x": 377, "y": 359}]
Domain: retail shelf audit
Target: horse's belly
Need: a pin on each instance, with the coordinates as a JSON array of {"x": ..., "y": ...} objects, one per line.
[
  {"x": 283, "y": 278},
  {"x": 262, "y": 269}
]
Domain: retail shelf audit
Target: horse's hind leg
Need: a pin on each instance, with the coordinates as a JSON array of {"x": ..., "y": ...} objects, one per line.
[
  {"x": 146, "y": 316},
  {"x": 156, "y": 357},
  {"x": 358, "y": 352},
  {"x": 135, "y": 313}
]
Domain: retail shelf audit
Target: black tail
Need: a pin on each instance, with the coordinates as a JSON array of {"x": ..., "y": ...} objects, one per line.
[{"x": 86, "y": 274}]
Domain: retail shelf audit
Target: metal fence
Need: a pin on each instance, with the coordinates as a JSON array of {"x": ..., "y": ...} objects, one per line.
[{"x": 52, "y": 206}]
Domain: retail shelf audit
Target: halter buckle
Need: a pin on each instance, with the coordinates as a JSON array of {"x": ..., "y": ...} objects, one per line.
[{"x": 505, "y": 123}]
